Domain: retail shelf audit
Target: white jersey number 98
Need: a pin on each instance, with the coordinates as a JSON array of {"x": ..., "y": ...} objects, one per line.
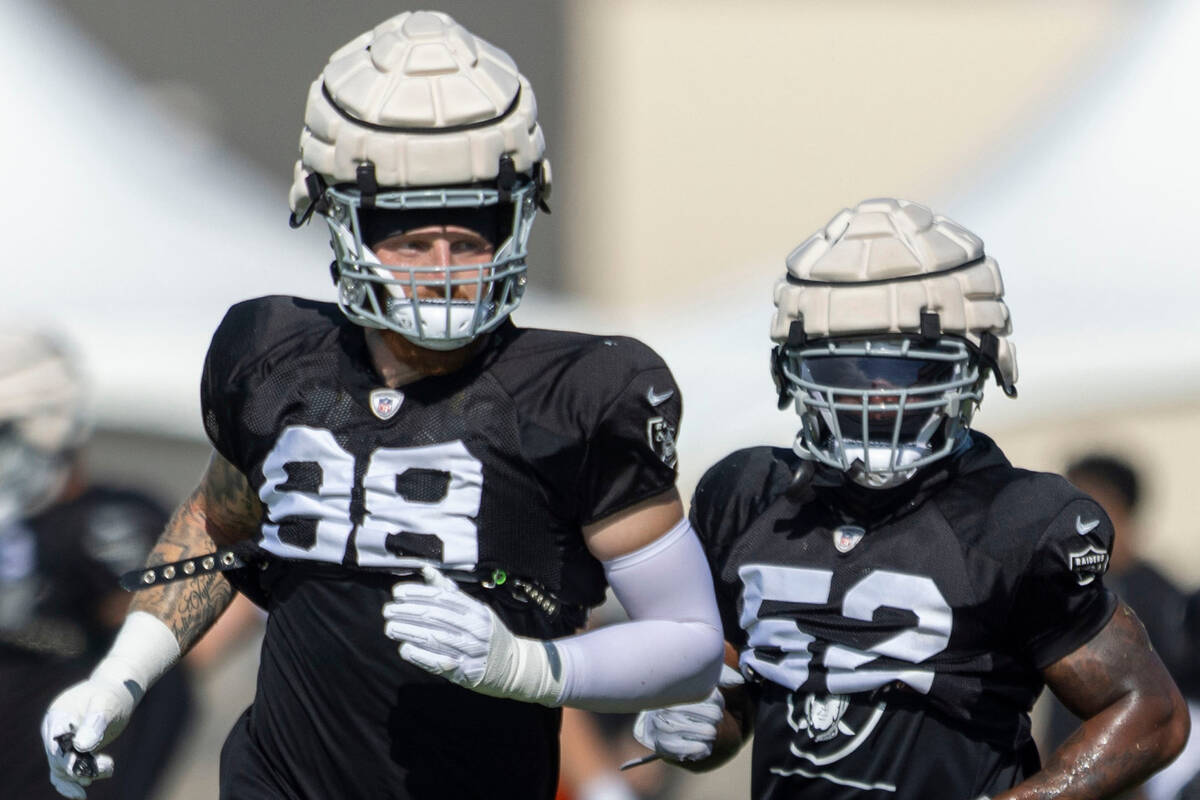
[{"x": 445, "y": 515}]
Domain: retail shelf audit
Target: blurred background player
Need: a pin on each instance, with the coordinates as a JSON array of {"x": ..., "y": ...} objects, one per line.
[
  {"x": 1165, "y": 609},
  {"x": 63, "y": 544},
  {"x": 411, "y": 429},
  {"x": 898, "y": 593},
  {"x": 593, "y": 748},
  {"x": 595, "y": 745}
]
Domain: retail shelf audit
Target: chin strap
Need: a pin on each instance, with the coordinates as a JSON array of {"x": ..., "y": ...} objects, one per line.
[{"x": 317, "y": 203}]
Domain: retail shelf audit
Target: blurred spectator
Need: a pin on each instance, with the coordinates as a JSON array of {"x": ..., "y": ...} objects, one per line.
[
  {"x": 63, "y": 543},
  {"x": 1162, "y": 607}
]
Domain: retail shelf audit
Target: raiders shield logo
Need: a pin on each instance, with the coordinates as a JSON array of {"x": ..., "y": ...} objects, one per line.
[
  {"x": 660, "y": 434},
  {"x": 1088, "y": 564},
  {"x": 823, "y": 717},
  {"x": 830, "y": 727},
  {"x": 385, "y": 403}
]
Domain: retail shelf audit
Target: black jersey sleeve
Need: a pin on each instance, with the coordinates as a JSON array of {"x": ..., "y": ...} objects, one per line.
[
  {"x": 252, "y": 340},
  {"x": 1061, "y": 601},
  {"x": 733, "y": 492},
  {"x": 220, "y": 384},
  {"x": 729, "y": 497},
  {"x": 631, "y": 450}
]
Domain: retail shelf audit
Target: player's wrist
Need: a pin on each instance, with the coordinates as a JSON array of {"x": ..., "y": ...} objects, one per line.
[
  {"x": 144, "y": 649},
  {"x": 522, "y": 668}
]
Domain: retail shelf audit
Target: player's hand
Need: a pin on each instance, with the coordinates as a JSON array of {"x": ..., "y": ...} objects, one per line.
[
  {"x": 688, "y": 731},
  {"x": 445, "y": 631},
  {"x": 441, "y": 628},
  {"x": 79, "y": 722}
]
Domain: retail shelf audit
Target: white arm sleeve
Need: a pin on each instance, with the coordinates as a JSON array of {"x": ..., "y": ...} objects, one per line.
[{"x": 671, "y": 649}]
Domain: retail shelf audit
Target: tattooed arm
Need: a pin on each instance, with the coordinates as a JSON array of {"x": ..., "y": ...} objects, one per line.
[
  {"x": 162, "y": 623},
  {"x": 222, "y": 510},
  {"x": 1134, "y": 719}
]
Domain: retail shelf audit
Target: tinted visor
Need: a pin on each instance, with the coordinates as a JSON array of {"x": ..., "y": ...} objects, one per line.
[
  {"x": 865, "y": 373},
  {"x": 882, "y": 387}
]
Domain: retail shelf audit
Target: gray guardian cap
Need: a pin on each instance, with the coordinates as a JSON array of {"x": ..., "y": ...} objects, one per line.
[{"x": 418, "y": 114}]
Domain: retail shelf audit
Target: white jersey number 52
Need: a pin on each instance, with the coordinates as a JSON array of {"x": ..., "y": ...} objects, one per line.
[{"x": 847, "y": 669}]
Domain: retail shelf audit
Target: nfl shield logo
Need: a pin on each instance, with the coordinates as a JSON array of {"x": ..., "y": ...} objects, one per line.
[
  {"x": 846, "y": 537},
  {"x": 385, "y": 403}
]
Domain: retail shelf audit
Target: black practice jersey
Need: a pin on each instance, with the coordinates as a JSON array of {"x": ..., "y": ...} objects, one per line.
[
  {"x": 493, "y": 469},
  {"x": 895, "y": 639},
  {"x": 57, "y": 570}
]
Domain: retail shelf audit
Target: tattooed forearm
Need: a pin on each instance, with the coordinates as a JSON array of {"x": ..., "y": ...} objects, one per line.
[
  {"x": 1135, "y": 721},
  {"x": 221, "y": 510}
]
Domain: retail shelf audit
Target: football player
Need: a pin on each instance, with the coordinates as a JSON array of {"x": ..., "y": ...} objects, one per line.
[
  {"x": 896, "y": 592},
  {"x": 64, "y": 540},
  {"x": 508, "y": 474}
]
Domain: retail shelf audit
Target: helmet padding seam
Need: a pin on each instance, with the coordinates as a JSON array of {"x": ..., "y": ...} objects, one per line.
[{"x": 375, "y": 126}]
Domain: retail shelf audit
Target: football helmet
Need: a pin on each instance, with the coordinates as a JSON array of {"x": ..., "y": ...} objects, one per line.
[
  {"x": 43, "y": 420},
  {"x": 886, "y": 324},
  {"x": 422, "y": 122}
]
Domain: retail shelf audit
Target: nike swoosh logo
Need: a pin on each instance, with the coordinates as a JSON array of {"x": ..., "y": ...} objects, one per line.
[
  {"x": 658, "y": 399},
  {"x": 1084, "y": 528}
]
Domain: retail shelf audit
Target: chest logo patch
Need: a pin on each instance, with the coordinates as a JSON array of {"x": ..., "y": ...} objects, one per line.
[
  {"x": 846, "y": 537},
  {"x": 385, "y": 403},
  {"x": 828, "y": 727},
  {"x": 1089, "y": 564},
  {"x": 823, "y": 717}
]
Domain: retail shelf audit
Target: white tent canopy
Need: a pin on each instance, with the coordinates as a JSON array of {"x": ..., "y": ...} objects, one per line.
[
  {"x": 128, "y": 233},
  {"x": 1095, "y": 225}
]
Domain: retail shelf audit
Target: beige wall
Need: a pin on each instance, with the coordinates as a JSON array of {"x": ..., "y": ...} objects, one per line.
[{"x": 708, "y": 134}]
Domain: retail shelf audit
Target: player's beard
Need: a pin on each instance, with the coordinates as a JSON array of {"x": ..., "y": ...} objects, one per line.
[{"x": 423, "y": 361}]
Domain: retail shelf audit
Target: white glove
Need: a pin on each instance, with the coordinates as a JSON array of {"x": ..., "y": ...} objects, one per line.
[
  {"x": 445, "y": 631},
  {"x": 93, "y": 712},
  {"x": 688, "y": 731}
]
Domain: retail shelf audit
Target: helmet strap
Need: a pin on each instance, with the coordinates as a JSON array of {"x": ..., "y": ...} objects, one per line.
[{"x": 315, "y": 185}]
